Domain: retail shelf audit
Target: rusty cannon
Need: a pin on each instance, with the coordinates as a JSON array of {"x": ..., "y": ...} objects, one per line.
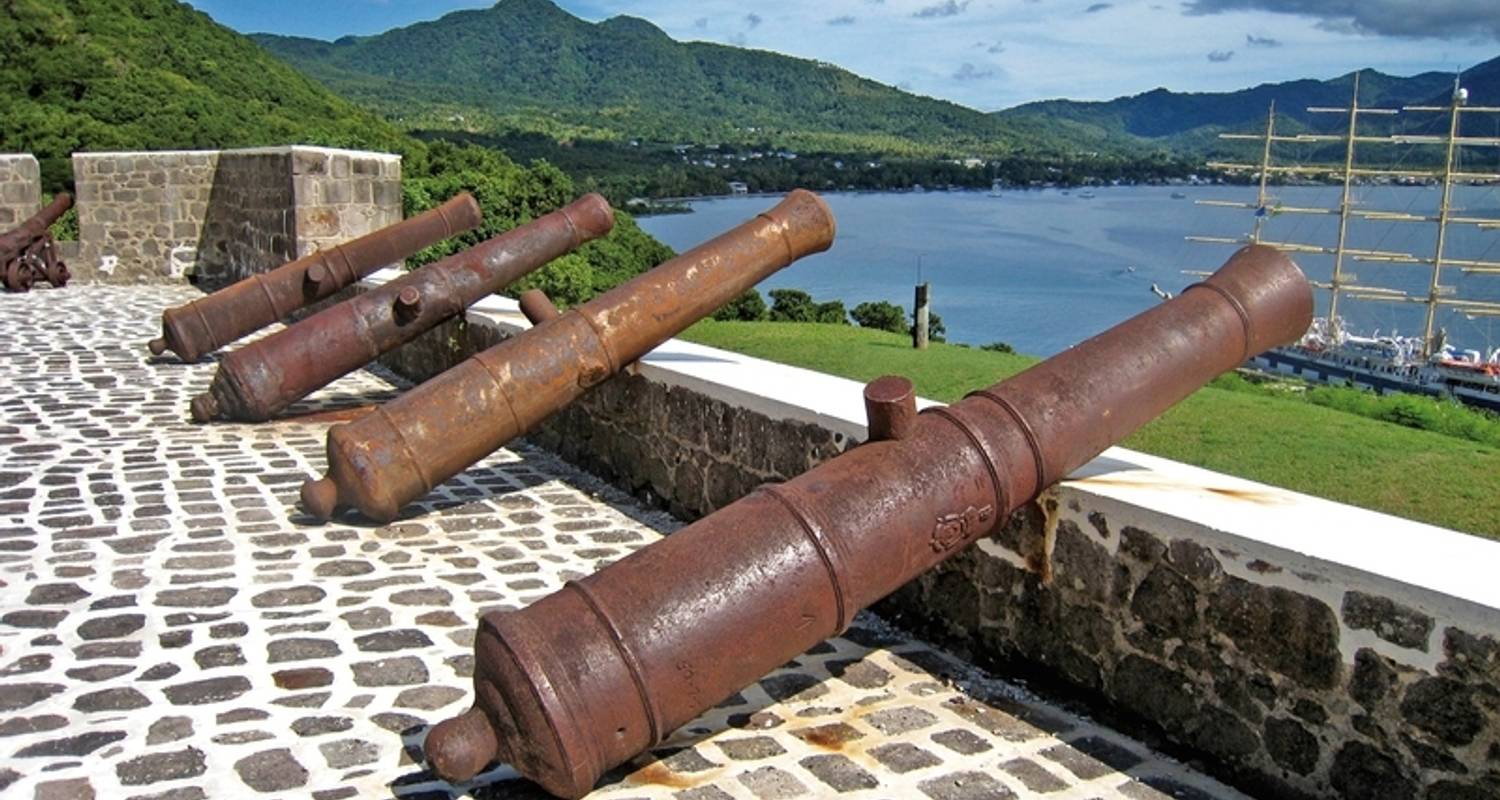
[
  {"x": 609, "y": 665},
  {"x": 27, "y": 252},
  {"x": 205, "y": 325},
  {"x": 398, "y": 453},
  {"x": 261, "y": 379}
]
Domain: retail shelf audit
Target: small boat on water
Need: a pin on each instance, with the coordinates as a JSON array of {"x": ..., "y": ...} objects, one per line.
[
  {"x": 1087, "y": 195},
  {"x": 1179, "y": 195}
]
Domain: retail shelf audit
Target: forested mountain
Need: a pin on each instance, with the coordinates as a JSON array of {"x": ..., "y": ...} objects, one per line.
[
  {"x": 1187, "y": 121},
  {"x": 157, "y": 75},
  {"x": 153, "y": 74},
  {"x": 529, "y": 65}
]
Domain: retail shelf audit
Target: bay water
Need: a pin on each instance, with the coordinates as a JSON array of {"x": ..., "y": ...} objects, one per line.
[{"x": 1042, "y": 270}]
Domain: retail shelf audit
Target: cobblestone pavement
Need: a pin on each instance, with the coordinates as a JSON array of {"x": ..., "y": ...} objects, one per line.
[{"x": 170, "y": 627}]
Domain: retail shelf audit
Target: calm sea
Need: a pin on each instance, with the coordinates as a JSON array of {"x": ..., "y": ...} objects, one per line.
[{"x": 1043, "y": 270}]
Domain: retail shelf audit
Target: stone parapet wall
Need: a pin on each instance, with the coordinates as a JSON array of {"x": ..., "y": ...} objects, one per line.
[
  {"x": 20, "y": 189},
  {"x": 140, "y": 215},
  {"x": 342, "y": 195},
  {"x": 1301, "y": 647},
  {"x": 1299, "y": 676},
  {"x": 217, "y": 216}
]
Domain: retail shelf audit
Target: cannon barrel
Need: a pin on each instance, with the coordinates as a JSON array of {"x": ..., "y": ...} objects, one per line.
[
  {"x": 381, "y": 462},
  {"x": 27, "y": 253},
  {"x": 212, "y": 322},
  {"x": 606, "y": 667},
  {"x": 261, "y": 379}
]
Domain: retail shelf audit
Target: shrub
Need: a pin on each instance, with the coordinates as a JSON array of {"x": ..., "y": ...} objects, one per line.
[{"x": 881, "y": 316}]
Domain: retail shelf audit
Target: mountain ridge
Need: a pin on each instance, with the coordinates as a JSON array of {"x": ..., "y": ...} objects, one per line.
[{"x": 625, "y": 78}]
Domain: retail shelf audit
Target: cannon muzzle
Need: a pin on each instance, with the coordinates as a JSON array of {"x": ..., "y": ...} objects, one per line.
[
  {"x": 205, "y": 325},
  {"x": 27, "y": 252},
  {"x": 261, "y": 379},
  {"x": 675, "y": 627},
  {"x": 384, "y": 461}
]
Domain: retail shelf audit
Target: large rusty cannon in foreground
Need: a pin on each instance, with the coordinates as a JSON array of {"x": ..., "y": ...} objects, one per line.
[
  {"x": 261, "y": 379},
  {"x": 27, "y": 252},
  {"x": 608, "y": 666},
  {"x": 212, "y": 322},
  {"x": 398, "y": 453}
]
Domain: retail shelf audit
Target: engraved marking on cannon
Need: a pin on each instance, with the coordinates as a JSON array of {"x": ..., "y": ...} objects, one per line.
[{"x": 954, "y": 528}]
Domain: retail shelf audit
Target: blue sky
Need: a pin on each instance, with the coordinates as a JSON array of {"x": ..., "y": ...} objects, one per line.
[{"x": 992, "y": 54}]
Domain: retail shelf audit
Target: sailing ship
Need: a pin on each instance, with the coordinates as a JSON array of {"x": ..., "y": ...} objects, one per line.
[{"x": 1330, "y": 352}]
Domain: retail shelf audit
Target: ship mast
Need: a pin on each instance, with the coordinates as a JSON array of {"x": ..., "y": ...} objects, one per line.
[
  {"x": 1444, "y": 209},
  {"x": 1265, "y": 172},
  {"x": 1336, "y": 281},
  {"x": 1343, "y": 283}
]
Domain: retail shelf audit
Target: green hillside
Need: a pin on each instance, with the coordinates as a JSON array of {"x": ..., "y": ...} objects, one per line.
[
  {"x": 155, "y": 74},
  {"x": 1190, "y": 122},
  {"x": 528, "y": 65}
]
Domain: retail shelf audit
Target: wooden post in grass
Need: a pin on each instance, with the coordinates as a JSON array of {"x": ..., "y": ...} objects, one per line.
[{"x": 921, "y": 314}]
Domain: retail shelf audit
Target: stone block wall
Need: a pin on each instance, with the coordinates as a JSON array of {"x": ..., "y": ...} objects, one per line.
[
  {"x": 1299, "y": 678},
  {"x": 140, "y": 215},
  {"x": 1289, "y": 675},
  {"x": 217, "y": 216},
  {"x": 20, "y": 189},
  {"x": 341, "y": 195}
]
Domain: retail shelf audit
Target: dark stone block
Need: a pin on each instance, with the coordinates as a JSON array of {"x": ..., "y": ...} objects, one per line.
[
  {"x": 1389, "y": 620},
  {"x": 306, "y": 678},
  {"x": 1279, "y": 629},
  {"x": 213, "y": 690},
  {"x": 223, "y": 655},
  {"x": 27, "y": 664},
  {"x": 793, "y": 686},
  {"x": 1362, "y": 772},
  {"x": 1166, "y": 602},
  {"x": 33, "y": 618},
  {"x": 118, "y": 699},
  {"x": 169, "y": 729},
  {"x": 301, "y": 649},
  {"x": 841, "y": 774},
  {"x": 387, "y": 641},
  {"x": 1444, "y": 708},
  {"x": 290, "y": 596},
  {"x": 1310, "y": 711},
  {"x": 74, "y": 746},
  {"x": 16, "y": 696},
  {"x": 157, "y": 767},
  {"x": 272, "y": 771},
  {"x": 1154, "y": 692},
  {"x": 961, "y": 741},
  {"x": 752, "y": 748},
  {"x": 965, "y": 786},
  {"x": 317, "y": 726},
  {"x": 17, "y": 726},
  {"x": 55, "y": 594},
  {"x": 1194, "y": 561},
  {"x": 1430, "y": 757},
  {"x": 1140, "y": 545},
  {"x": 401, "y": 671},
  {"x": 1291, "y": 745},
  {"x": 197, "y": 597},
  {"x": 160, "y": 672},
  {"x": 1454, "y": 790},
  {"x": 1081, "y": 563},
  {"x": 1372, "y": 678}
]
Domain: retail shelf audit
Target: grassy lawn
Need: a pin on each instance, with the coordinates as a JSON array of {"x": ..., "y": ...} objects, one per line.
[{"x": 1281, "y": 441}]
